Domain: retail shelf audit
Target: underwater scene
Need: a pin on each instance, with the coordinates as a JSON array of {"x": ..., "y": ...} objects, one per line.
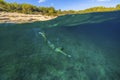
[{"x": 70, "y": 47}]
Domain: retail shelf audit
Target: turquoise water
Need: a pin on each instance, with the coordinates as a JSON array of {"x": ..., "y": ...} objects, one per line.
[{"x": 92, "y": 42}]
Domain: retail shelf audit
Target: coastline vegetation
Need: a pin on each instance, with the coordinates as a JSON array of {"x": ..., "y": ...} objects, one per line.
[{"x": 50, "y": 11}]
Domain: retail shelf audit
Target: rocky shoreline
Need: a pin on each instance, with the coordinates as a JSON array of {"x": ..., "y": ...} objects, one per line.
[{"x": 6, "y": 17}]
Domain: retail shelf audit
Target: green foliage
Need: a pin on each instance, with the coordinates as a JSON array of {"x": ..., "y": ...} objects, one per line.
[
  {"x": 118, "y": 6},
  {"x": 26, "y": 8},
  {"x": 2, "y": 2},
  {"x": 2, "y": 5},
  {"x": 50, "y": 11},
  {"x": 93, "y": 9}
]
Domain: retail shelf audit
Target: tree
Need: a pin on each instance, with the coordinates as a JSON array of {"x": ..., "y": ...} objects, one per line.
[
  {"x": 51, "y": 11},
  {"x": 58, "y": 12},
  {"x": 118, "y": 6},
  {"x": 30, "y": 9},
  {"x": 26, "y": 8},
  {"x": 2, "y": 5},
  {"x": 43, "y": 10},
  {"x": 2, "y": 2}
]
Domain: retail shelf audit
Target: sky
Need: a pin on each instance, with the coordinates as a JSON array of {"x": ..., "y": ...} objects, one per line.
[{"x": 69, "y": 4}]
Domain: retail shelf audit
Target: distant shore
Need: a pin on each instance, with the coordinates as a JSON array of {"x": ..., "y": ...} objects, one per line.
[{"x": 8, "y": 17}]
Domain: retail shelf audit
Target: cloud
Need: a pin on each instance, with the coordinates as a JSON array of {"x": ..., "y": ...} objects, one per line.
[
  {"x": 103, "y": 0},
  {"x": 40, "y": 1}
]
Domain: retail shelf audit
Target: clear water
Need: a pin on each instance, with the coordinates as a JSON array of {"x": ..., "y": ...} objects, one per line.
[{"x": 93, "y": 47}]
